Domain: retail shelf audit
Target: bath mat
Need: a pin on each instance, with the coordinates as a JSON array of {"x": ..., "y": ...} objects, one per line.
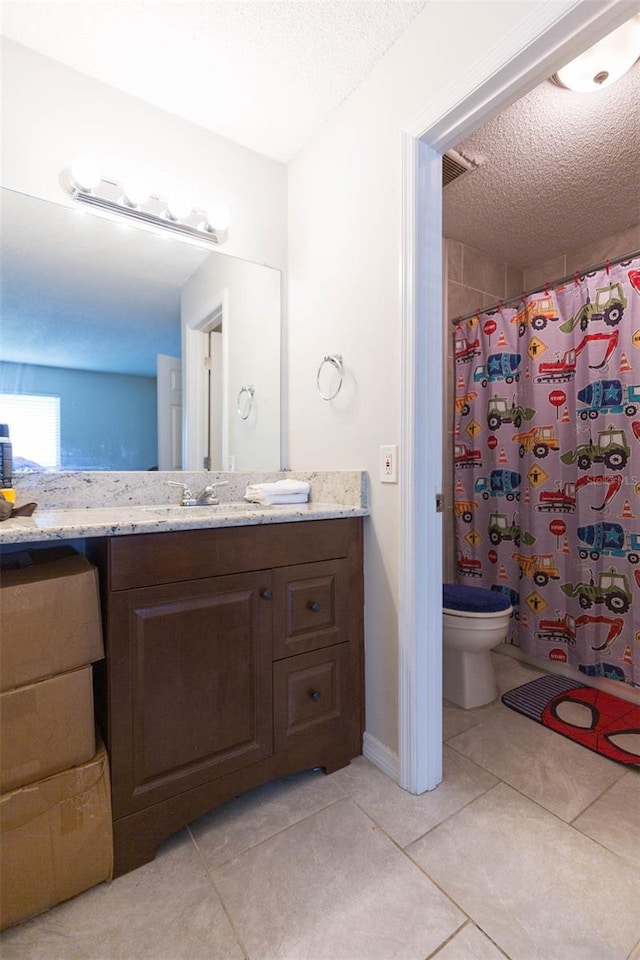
[{"x": 597, "y": 720}]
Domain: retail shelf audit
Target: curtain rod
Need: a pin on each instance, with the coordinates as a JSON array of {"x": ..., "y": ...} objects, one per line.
[{"x": 545, "y": 286}]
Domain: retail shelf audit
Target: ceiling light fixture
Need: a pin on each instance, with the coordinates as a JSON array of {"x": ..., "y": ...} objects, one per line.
[
  {"x": 605, "y": 62},
  {"x": 133, "y": 200}
]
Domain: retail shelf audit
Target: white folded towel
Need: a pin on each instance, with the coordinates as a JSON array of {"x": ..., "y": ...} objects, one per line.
[{"x": 281, "y": 491}]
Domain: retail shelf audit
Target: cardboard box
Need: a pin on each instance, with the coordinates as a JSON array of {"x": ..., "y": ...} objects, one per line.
[
  {"x": 50, "y": 615},
  {"x": 55, "y": 840},
  {"x": 46, "y": 727}
]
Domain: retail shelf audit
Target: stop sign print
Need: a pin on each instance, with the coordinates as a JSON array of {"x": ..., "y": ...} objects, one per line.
[
  {"x": 492, "y": 442},
  {"x": 556, "y": 399},
  {"x": 490, "y": 327},
  {"x": 557, "y": 528},
  {"x": 493, "y": 556}
]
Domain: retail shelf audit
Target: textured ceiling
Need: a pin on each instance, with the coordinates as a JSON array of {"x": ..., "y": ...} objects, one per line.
[
  {"x": 265, "y": 74},
  {"x": 560, "y": 170}
]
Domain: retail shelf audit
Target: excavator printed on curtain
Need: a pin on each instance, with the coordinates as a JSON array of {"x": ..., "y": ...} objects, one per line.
[{"x": 547, "y": 467}]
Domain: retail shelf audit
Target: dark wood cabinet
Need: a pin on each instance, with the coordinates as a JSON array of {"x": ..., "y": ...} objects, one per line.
[{"x": 234, "y": 656}]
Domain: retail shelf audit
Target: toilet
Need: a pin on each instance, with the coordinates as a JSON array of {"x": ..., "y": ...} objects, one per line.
[{"x": 474, "y": 621}]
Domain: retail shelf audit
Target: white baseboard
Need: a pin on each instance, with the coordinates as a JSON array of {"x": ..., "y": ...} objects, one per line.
[{"x": 381, "y": 756}]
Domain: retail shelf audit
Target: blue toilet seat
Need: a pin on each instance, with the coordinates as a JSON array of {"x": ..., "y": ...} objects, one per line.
[{"x": 465, "y": 599}]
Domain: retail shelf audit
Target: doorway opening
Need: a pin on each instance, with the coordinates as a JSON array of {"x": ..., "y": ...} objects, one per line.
[{"x": 549, "y": 38}]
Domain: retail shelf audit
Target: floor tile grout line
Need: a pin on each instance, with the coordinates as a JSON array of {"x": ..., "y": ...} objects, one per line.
[
  {"x": 434, "y": 953},
  {"x": 472, "y": 923},
  {"x": 599, "y": 797},
  {"x": 416, "y": 864},
  {"x": 214, "y": 887},
  {"x": 633, "y": 951},
  {"x": 533, "y": 800},
  {"x": 333, "y": 803},
  {"x": 277, "y": 833},
  {"x": 566, "y": 823},
  {"x": 453, "y": 814}
]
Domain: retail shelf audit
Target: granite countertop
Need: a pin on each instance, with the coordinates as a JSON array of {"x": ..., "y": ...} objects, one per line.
[
  {"x": 116, "y": 521},
  {"x": 72, "y": 504}
]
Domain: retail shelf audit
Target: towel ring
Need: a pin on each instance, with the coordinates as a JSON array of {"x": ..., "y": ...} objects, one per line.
[
  {"x": 335, "y": 359},
  {"x": 249, "y": 390}
]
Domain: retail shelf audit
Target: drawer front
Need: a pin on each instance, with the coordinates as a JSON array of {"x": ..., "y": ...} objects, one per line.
[
  {"x": 311, "y": 607},
  {"x": 311, "y": 694},
  {"x": 143, "y": 560}
]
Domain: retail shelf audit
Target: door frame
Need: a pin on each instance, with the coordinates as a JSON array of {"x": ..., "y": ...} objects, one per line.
[{"x": 550, "y": 36}]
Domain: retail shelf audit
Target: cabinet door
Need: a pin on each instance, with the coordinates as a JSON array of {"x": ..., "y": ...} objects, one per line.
[
  {"x": 311, "y": 607},
  {"x": 191, "y": 664}
]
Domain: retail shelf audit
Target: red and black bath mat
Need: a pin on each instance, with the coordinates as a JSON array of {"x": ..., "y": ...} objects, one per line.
[{"x": 599, "y": 721}]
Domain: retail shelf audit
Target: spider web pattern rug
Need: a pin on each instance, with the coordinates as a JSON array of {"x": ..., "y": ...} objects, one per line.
[{"x": 597, "y": 720}]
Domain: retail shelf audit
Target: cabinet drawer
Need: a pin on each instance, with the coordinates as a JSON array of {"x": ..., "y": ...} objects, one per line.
[
  {"x": 147, "y": 559},
  {"x": 310, "y": 696},
  {"x": 311, "y": 607}
]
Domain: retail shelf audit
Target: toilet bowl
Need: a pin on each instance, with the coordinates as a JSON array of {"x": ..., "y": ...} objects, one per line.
[{"x": 474, "y": 620}]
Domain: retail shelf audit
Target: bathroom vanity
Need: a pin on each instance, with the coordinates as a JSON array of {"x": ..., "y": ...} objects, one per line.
[
  {"x": 263, "y": 627},
  {"x": 234, "y": 655}
]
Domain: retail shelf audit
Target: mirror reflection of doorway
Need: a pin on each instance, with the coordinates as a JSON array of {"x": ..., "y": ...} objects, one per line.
[
  {"x": 169, "y": 390},
  {"x": 205, "y": 439}
]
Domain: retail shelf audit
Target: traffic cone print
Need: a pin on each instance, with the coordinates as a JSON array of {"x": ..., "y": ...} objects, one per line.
[
  {"x": 625, "y": 366},
  {"x": 502, "y": 340},
  {"x": 460, "y": 382},
  {"x": 626, "y": 657},
  {"x": 524, "y": 623},
  {"x": 565, "y": 546},
  {"x": 459, "y": 487},
  {"x": 565, "y": 418},
  {"x": 527, "y": 374},
  {"x": 502, "y": 575},
  {"x": 526, "y": 498},
  {"x": 503, "y": 458},
  {"x": 627, "y": 513},
  {"x": 456, "y": 432}
]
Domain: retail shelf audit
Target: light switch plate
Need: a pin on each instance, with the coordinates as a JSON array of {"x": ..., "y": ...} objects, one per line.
[{"x": 389, "y": 463}]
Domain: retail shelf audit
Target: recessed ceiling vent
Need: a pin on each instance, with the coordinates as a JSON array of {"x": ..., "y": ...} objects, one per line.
[{"x": 454, "y": 165}]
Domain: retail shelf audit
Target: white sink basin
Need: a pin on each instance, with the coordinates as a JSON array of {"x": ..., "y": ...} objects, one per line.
[{"x": 178, "y": 512}]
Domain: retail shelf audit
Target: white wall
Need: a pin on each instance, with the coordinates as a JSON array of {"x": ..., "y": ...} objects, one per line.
[
  {"x": 251, "y": 344},
  {"x": 344, "y": 293},
  {"x": 52, "y": 114}
]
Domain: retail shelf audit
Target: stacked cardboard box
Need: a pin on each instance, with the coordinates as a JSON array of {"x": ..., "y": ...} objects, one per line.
[{"x": 55, "y": 816}]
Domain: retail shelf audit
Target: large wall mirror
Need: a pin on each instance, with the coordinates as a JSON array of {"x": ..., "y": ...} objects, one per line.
[{"x": 125, "y": 349}]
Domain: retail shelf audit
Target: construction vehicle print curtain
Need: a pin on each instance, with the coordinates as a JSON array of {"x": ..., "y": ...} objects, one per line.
[{"x": 547, "y": 467}]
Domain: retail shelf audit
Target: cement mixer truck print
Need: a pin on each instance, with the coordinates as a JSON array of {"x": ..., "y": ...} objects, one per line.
[{"x": 546, "y": 432}]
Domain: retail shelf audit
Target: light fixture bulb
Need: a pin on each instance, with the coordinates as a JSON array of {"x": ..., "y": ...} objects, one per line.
[
  {"x": 218, "y": 217},
  {"x": 85, "y": 173},
  {"x": 178, "y": 207},
  {"x": 135, "y": 192},
  {"x": 605, "y": 62}
]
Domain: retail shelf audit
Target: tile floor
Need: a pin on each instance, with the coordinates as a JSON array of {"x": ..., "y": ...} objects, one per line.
[{"x": 529, "y": 849}]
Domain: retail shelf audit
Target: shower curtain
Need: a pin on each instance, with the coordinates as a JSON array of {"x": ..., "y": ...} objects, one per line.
[{"x": 547, "y": 467}]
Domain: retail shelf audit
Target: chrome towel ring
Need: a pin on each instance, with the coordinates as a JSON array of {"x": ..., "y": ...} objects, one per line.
[
  {"x": 335, "y": 359},
  {"x": 245, "y": 405}
]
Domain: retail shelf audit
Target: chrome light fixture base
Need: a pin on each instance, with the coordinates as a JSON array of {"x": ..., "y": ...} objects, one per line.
[{"x": 109, "y": 196}]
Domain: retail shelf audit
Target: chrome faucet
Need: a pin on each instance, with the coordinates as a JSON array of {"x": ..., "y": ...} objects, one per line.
[{"x": 206, "y": 498}]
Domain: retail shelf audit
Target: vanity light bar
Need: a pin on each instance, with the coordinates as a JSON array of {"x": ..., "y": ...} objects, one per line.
[{"x": 110, "y": 196}]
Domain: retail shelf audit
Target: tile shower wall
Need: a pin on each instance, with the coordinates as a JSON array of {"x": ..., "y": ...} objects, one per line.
[
  {"x": 473, "y": 279},
  {"x": 566, "y": 263}
]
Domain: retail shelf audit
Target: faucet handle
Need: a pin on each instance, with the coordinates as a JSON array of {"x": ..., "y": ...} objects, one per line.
[
  {"x": 188, "y": 500},
  {"x": 208, "y": 496}
]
